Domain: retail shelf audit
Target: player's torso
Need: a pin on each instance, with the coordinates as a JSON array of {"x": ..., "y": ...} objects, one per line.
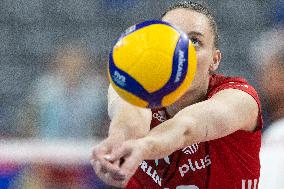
[
  {"x": 184, "y": 169},
  {"x": 187, "y": 168},
  {"x": 229, "y": 163}
]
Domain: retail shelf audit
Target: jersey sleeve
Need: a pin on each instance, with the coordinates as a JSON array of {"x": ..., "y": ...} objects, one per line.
[{"x": 243, "y": 85}]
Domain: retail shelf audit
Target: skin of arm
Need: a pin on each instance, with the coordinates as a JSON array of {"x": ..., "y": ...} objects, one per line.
[
  {"x": 226, "y": 112},
  {"x": 127, "y": 121}
]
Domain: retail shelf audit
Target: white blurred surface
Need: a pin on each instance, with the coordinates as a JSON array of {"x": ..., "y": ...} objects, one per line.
[
  {"x": 61, "y": 152},
  {"x": 272, "y": 157}
]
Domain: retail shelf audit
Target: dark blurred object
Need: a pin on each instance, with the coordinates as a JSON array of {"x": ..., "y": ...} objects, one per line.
[
  {"x": 278, "y": 14},
  {"x": 269, "y": 56}
]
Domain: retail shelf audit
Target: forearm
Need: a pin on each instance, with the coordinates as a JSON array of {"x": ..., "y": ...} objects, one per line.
[
  {"x": 167, "y": 138},
  {"x": 130, "y": 123},
  {"x": 227, "y": 112},
  {"x": 189, "y": 126},
  {"x": 127, "y": 121}
]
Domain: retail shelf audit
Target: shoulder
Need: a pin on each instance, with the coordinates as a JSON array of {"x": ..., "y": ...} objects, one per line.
[{"x": 220, "y": 82}]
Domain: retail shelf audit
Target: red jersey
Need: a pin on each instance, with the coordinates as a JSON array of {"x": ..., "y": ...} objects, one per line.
[{"x": 231, "y": 162}]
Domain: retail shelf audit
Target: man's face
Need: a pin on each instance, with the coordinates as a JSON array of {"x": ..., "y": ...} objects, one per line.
[
  {"x": 197, "y": 27},
  {"x": 271, "y": 80}
]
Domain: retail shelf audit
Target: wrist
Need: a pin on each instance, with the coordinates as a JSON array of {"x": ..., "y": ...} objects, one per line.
[
  {"x": 126, "y": 130},
  {"x": 117, "y": 136},
  {"x": 143, "y": 145}
]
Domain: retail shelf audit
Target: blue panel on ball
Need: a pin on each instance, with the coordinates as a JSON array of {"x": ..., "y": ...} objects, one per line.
[
  {"x": 154, "y": 104},
  {"x": 125, "y": 81},
  {"x": 147, "y": 23},
  {"x": 150, "y": 22},
  {"x": 179, "y": 70}
]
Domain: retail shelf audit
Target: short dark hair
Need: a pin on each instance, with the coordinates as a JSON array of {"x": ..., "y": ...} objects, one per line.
[{"x": 200, "y": 8}]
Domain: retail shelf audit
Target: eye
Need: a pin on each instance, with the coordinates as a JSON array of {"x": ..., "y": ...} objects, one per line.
[{"x": 196, "y": 42}]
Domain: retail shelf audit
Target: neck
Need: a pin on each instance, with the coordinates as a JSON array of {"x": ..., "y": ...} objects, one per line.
[{"x": 189, "y": 98}]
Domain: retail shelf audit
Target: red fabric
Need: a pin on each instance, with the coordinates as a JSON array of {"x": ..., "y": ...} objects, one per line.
[{"x": 231, "y": 162}]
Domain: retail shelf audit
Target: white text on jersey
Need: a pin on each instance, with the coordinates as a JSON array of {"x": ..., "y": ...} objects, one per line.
[{"x": 193, "y": 166}]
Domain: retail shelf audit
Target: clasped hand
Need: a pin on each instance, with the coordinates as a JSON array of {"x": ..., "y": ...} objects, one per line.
[{"x": 116, "y": 162}]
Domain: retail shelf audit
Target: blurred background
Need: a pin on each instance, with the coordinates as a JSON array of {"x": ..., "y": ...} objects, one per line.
[{"x": 53, "y": 83}]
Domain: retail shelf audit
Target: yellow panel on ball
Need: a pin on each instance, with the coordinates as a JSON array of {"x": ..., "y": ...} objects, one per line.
[
  {"x": 191, "y": 69},
  {"x": 148, "y": 63}
]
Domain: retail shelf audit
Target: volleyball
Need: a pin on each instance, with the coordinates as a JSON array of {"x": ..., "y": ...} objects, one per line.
[{"x": 152, "y": 64}]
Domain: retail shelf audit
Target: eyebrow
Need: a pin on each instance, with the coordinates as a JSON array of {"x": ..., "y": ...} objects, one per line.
[{"x": 195, "y": 33}]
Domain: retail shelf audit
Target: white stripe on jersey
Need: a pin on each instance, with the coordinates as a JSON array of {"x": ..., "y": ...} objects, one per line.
[
  {"x": 247, "y": 184},
  {"x": 189, "y": 150},
  {"x": 255, "y": 182}
]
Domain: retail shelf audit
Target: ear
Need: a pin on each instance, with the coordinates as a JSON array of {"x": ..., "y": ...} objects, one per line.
[{"x": 216, "y": 60}]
